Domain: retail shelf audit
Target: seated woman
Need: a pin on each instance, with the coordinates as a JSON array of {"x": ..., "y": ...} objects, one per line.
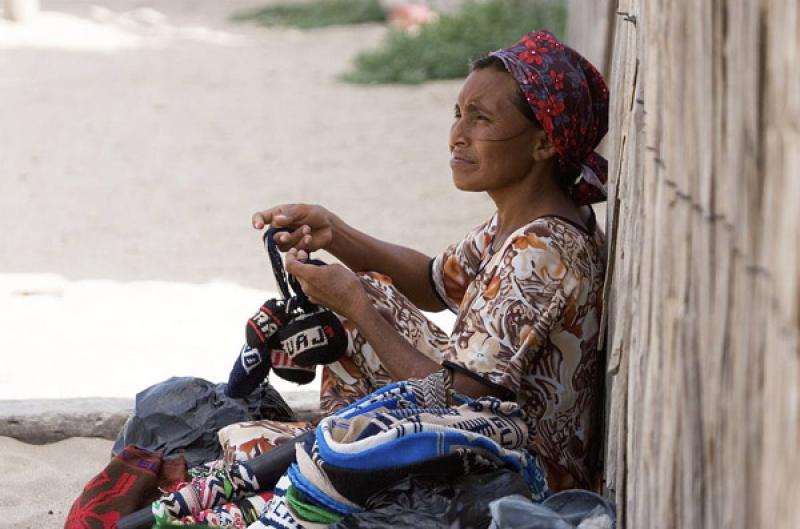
[{"x": 526, "y": 284}]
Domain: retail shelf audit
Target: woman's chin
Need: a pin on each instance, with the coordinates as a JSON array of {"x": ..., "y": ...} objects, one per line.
[{"x": 464, "y": 182}]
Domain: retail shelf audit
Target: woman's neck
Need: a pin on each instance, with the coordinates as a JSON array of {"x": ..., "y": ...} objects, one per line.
[{"x": 530, "y": 198}]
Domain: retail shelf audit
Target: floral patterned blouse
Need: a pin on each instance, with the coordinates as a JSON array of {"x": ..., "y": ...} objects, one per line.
[{"x": 528, "y": 319}]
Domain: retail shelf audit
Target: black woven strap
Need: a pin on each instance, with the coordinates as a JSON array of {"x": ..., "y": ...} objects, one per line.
[
  {"x": 276, "y": 261},
  {"x": 284, "y": 280}
]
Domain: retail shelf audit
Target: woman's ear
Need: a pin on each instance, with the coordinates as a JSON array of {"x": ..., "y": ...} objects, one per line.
[{"x": 543, "y": 148}]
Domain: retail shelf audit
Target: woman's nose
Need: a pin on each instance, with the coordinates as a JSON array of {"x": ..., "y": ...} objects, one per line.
[{"x": 458, "y": 135}]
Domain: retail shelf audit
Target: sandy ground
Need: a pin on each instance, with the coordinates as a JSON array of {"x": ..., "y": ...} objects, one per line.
[
  {"x": 137, "y": 144},
  {"x": 46, "y": 479},
  {"x": 145, "y": 160}
]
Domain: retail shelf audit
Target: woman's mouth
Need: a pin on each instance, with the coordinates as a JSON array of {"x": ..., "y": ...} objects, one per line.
[{"x": 460, "y": 161}]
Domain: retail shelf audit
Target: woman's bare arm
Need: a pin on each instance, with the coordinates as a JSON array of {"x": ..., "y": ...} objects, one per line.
[
  {"x": 337, "y": 288},
  {"x": 408, "y": 268},
  {"x": 317, "y": 228},
  {"x": 403, "y": 361}
]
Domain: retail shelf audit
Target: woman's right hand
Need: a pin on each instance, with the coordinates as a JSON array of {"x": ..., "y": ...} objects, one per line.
[{"x": 312, "y": 225}]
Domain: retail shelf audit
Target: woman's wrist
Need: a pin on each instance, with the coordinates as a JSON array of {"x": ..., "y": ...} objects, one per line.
[
  {"x": 347, "y": 244},
  {"x": 363, "y": 311},
  {"x": 337, "y": 226}
]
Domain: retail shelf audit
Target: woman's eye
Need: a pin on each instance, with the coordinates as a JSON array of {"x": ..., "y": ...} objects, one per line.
[{"x": 479, "y": 117}]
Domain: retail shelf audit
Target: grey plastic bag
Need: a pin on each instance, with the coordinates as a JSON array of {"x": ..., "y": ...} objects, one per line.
[{"x": 570, "y": 509}]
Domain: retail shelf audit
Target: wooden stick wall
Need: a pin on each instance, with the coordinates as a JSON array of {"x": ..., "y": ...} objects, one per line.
[{"x": 703, "y": 283}]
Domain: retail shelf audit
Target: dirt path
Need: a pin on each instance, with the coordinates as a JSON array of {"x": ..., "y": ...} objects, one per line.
[{"x": 145, "y": 162}]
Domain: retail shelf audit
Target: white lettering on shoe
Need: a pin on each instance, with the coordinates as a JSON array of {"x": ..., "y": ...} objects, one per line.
[{"x": 304, "y": 340}]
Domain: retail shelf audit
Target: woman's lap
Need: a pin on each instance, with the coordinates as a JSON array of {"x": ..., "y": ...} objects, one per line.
[{"x": 360, "y": 371}]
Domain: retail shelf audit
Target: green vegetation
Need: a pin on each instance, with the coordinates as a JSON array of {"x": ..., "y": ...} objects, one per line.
[
  {"x": 443, "y": 50},
  {"x": 316, "y": 14}
]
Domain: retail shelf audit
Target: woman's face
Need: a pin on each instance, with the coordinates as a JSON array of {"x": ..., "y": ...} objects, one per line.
[{"x": 491, "y": 141}]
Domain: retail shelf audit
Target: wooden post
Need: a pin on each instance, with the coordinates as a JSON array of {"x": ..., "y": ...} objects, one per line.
[{"x": 703, "y": 281}]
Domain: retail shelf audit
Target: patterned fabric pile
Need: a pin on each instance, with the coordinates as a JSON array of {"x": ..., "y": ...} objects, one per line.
[
  {"x": 405, "y": 429},
  {"x": 247, "y": 440},
  {"x": 218, "y": 495},
  {"x": 132, "y": 479}
]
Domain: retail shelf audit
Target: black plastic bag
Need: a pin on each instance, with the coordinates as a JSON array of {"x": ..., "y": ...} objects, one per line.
[
  {"x": 184, "y": 414},
  {"x": 429, "y": 503}
]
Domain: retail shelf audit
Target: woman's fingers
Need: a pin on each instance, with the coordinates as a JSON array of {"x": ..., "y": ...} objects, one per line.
[
  {"x": 289, "y": 240},
  {"x": 258, "y": 220},
  {"x": 285, "y": 216},
  {"x": 333, "y": 286},
  {"x": 313, "y": 223},
  {"x": 297, "y": 258},
  {"x": 263, "y": 218},
  {"x": 297, "y": 239},
  {"x": 294, "y": 265},
  {"x": 279, "y": 216}
]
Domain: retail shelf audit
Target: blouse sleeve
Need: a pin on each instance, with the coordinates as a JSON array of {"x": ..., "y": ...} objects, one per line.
[
  {"x": 512, "y": 316},
  {"x": 453, "y": 270}
]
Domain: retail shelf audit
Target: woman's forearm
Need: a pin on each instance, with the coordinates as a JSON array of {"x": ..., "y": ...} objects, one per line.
[
  {"x": 408, "y": 268},
  {"x": 402, "y": 360}
]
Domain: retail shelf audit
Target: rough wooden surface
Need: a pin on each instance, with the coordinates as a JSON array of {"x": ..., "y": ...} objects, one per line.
[{"x": 703, "y": 285}]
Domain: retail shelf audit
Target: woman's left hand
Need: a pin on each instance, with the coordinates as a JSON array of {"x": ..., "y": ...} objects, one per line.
[{"x": 333, "y": 286}]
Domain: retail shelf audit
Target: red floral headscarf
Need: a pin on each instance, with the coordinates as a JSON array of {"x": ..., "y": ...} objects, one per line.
[{"x": 570, "y": 100}]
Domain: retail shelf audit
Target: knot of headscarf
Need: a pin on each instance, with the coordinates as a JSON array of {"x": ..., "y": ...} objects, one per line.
[{"x": 570, "y": 100}]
